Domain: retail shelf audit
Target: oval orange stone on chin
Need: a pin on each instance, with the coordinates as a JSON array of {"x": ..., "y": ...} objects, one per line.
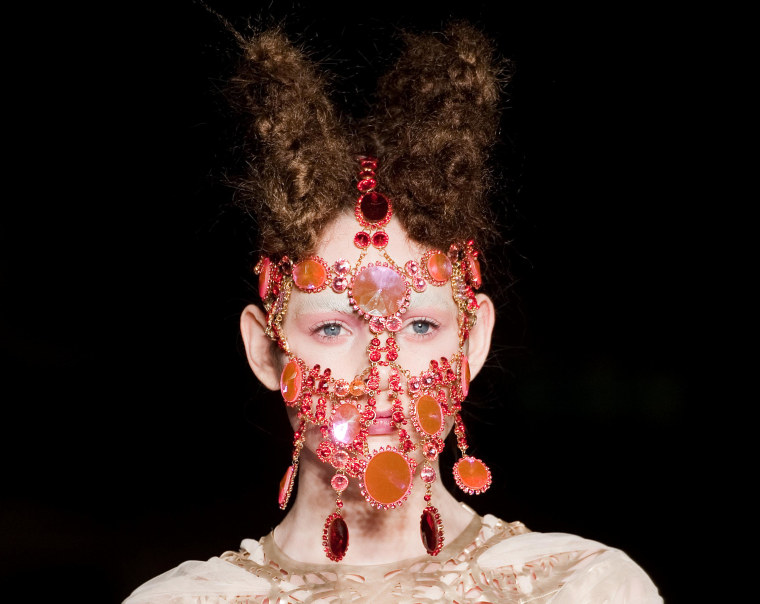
[
  {"x": 428, "y": 414},
  {"x": 290, "y": 381},
  {"x": 472, "y": 475},
  {"x": 309, "y": 275},
  {"x": 439, "y": 267},
  {"x": 387, "y": 478}
]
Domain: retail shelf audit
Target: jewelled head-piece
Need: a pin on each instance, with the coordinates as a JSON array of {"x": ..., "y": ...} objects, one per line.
[{"x": 344, "y": 408}]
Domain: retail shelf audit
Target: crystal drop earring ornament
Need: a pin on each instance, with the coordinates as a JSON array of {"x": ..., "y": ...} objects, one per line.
[
  {"x": 335, "y": 532},
  {"x": 470, "y": 474}
]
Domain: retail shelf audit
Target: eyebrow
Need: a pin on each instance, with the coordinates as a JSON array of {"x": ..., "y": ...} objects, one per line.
[{"x": 318, "y": 303}]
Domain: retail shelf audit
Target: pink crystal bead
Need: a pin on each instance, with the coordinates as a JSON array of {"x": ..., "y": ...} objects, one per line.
[
  {"x": 339, "y": 482},
  {"x": 430, "y": 451},
  {"x": 339, "y": 284},
  {"x": 341, "y": 266},
  {"x": 376, "y": 324},
  {"x": 412, "y": 268},
  {"x": 340, "y": 458},
  {"x": 427, "y": 474},
  {"x": 341, "y": 388},
  {"x": 393, "y": 323},
  {"x": 345, "y": 424},
  {"x": 379, "y": 291}
]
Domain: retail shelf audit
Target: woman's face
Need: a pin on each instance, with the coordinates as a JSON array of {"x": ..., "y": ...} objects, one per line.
[{"x": 322, "y": 328}]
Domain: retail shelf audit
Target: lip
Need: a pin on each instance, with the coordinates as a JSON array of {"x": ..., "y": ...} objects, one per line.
[{"x": 382, "y": 425}]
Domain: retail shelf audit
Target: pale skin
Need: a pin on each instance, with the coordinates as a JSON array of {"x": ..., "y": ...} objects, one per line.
[{"x": 322, "y": 328}]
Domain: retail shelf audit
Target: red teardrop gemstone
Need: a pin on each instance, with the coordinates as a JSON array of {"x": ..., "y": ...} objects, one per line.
[
  {"x": 429, "y": 530},
  {"x": 337, "y": 538}
]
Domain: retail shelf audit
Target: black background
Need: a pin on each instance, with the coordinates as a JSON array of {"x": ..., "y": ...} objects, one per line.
[{"x": 135, "y": 436}]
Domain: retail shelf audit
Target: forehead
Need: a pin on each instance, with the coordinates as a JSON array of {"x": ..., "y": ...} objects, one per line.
[{"x": 337, "y": 242}]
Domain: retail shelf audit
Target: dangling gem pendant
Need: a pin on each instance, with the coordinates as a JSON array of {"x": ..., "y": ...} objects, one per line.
[
  {"x": 431, "y": 525},
  {"x": 289, "y": 478},
  {"x": 335, "y": 532}
]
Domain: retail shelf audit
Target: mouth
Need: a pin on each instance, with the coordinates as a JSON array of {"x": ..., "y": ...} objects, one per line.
[{"x": 383, "y": 424}]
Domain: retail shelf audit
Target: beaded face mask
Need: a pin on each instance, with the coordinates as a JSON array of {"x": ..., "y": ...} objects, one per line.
[{"x": 344, "y": 408}]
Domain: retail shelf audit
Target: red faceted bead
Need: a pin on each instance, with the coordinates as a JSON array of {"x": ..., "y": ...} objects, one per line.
[
  {"x": 366, "y": 184},
  {"x": 361, "y": 239},
  {"x": 380, "y": 239}
]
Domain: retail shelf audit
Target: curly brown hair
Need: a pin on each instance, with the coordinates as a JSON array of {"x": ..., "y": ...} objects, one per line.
[{"x": 433, "y": 124}]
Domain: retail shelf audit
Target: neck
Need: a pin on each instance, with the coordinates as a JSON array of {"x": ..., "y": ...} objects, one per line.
[{"x": 375, "y": 536}]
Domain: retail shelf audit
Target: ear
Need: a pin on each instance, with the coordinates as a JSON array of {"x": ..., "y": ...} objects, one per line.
[
  {"x": 258, "y": 347},
  {"x": 480, "y": 335}
]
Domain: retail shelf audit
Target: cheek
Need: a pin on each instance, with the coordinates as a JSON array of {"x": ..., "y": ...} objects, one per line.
[{"x": 415, "y": 354}]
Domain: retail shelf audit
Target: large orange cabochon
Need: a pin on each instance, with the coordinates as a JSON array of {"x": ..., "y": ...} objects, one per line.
[
  {"x": 387, "y": 477},
  {"x": 290, "y": 381},
  {"x": 429, "y": 415},
  {"x": 472, "y": 472}
]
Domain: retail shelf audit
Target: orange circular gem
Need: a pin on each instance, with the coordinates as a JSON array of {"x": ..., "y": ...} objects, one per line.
[
  {"x": 379, "y": 291},
  {"x": 472, "y": 474},
  {"x": 309, "y": 275},
  {"x": 357, "y": 387},
  {"x": 290, "y": 381},
  {"x": 439, "y": 267},
  {"x": 387, "y": 477},
  {"x": 428, "y": 413}
]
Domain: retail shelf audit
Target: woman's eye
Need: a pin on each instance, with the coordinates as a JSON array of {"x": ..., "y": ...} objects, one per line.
[
  {"x": 330, "y": 330},
  {"x": 421, "y": 327}
]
